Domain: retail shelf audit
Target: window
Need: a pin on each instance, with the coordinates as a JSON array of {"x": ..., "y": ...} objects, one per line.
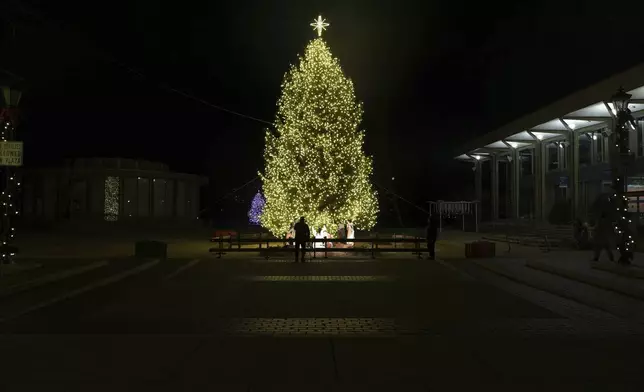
[
  {"x": 598, "y": 141},
  {"x": 585, "y": 149},
  {"x": 552, "y": 155},
  {"x": 525, "y": 157},
  {"x": 565, "y": 151}
]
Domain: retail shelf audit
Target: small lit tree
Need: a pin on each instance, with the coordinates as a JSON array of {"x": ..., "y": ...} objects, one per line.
[{"x": 256, "y": 208}]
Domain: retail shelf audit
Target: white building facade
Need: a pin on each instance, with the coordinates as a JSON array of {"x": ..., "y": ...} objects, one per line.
[{"x": 561, "y": 153}]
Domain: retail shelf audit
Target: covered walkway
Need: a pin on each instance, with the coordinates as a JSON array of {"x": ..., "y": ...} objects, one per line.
[{"x": 558, "y": 155}]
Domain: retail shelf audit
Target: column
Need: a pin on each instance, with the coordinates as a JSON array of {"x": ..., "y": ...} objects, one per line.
[
  {"x": 508, "y": 186},
  {"x": 573, "y": 173},
  {"x": 478, "y": 185},
  {"x": 540, "y": 159},
  {"x": 494, "y": 192},
  {"x": 516, "y": 177},
  {"x": 478, "y": 181}
]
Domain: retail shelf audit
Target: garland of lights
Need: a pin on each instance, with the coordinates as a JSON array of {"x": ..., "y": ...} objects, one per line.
[
  {"x": 626, "y": 242},
  {"x": 8, "y": 197},
  {"x": 314, "y": 161},
  {"x": 256, "y": 208}
]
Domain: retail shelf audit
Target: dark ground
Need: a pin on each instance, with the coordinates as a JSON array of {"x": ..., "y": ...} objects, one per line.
[{"x": 250, "y": 325}]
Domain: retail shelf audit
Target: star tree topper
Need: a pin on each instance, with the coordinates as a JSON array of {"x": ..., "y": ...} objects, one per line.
[{"x": 319, "y": 24}]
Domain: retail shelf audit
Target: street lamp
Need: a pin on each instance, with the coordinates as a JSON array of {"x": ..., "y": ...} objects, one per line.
[
  {"x": 623, "y": 158},
  {"x": 10, "y": 159}
]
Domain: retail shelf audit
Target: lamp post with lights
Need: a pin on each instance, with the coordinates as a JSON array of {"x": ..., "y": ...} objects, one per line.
[
  {"x": 10, "y": 158},
  {"x": 623, "y": 157}
]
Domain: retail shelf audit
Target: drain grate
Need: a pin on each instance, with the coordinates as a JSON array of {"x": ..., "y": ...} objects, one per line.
[
  {"x": 318, "y": 278},
  {"x": 393, "y": 327},
  {"x": 354, "y": 326}
]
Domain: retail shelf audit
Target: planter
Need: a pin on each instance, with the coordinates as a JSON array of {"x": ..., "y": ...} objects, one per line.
[{"x": 480, "y": 249}]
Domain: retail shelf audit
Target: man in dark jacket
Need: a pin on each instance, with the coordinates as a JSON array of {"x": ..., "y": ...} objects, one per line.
[
  {"x": 431, "y": 235},
  {"x": 603, "y": 237},
  {"x": 302, "y": 234}
]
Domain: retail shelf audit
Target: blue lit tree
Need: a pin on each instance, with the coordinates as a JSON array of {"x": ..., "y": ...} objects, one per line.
[{"x": 256, "y": 208}]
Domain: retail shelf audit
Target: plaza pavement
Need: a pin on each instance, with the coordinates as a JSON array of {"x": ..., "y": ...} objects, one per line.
[{"x": 247, "y": 324}]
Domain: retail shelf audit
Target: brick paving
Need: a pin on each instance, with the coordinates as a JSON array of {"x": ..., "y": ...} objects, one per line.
[
  {"x": 312, "y": 326},
  {"x": 318, "y": 278}
]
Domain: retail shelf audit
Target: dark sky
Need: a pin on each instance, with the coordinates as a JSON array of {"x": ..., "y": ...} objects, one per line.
[{"x": 431, "y": 74}]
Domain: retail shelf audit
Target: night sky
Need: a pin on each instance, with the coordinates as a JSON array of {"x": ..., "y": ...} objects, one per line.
[{"x": 431, "y": 74}]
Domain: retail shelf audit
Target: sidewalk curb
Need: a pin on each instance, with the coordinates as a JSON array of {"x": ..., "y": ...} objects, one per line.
[
  {"x": 53, "y": 277},
  {"x": 633, "y": 292},
  {"x": 82, "y": 290}
]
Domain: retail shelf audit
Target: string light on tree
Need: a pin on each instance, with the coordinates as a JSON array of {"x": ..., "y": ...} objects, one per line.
[
  {"x": 256, "y": 208},
  {"x": 315, "y": 165},
  {"x": 9, "y": 202},
  {"x": 626, "y": 243},
  {"x": 12, "y": 158}
]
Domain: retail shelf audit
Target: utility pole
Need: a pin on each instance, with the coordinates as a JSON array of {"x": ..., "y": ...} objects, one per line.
[{"x": 10, "y": 159}]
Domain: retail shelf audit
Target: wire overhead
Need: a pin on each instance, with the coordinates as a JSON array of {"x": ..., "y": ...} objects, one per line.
[{"x": 111, "y": 58}]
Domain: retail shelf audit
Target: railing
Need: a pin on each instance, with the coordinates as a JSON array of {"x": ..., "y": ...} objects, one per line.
[
  {"x": 529, "y": 233},
  {"x": 235, "y": 246}
]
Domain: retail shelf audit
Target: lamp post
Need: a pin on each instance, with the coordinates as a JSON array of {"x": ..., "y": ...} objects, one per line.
[
  {"x": 10, "y": 158},
  {"x": 623, "y": 158}
]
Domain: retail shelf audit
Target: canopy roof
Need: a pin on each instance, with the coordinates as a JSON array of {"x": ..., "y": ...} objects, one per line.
[{"x": 587, "y": 110}]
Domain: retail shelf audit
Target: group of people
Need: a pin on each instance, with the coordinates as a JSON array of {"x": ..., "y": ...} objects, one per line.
[
  {"x": 301, "y": 233},
  {"x": 599, "y": 237}
]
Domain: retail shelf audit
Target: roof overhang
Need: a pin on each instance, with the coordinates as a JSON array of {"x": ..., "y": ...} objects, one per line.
[{"x": 587, "y": 110}]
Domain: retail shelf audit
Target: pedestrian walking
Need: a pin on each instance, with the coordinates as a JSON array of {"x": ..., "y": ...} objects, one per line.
[
  {"x": 603, "y": 237},
  {"x": 302, "y": 235},
  {"x": 431, "y": 235}
]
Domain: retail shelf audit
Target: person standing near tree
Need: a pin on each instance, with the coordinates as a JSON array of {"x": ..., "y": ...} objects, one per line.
[
  {"x": 603, "y": 237},
  {"x": 302, "y": 235},
  {"x": 431, "y": 235}
]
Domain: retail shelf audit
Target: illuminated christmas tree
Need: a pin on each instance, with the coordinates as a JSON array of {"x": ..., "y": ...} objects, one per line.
[
  {"x": 315, "y": 163},
  {"x": 256, "y": 208}
]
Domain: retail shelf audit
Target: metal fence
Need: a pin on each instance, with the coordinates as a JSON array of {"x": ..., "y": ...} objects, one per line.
[{"x": 375, "y": 246}]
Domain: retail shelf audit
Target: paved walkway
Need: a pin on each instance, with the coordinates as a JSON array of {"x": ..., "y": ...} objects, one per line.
[
  {"x": 54, "y": 246},
  {"x": 577, "y": 265},
  {"x": 252, "y": 325}
]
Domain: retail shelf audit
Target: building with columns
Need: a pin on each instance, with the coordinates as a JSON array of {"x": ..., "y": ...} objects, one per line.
[
  {"x": 560, "y": 154},
  {"x": 110, "y": 190}
]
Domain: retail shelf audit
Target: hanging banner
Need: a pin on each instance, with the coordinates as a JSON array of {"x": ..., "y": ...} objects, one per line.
[{"x": 10, "y": 153}]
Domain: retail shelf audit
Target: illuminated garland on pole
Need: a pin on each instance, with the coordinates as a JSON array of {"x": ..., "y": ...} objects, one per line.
[
  {"x": 256, "y": 208},
  {"x": 9, "y": 194},
  {"x": 626, "y": 242},
  {"x": 315, "y": 165}
]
